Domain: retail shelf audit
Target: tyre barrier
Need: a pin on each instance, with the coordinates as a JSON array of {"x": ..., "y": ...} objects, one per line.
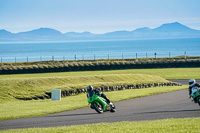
[{"x": 102, "y": 88}]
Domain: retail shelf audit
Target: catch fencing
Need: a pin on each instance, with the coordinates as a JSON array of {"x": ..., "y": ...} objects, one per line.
[{"x": 90, "y": 57}]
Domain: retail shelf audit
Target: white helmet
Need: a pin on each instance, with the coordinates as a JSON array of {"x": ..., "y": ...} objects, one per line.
[{"x": 192, "y": 82}]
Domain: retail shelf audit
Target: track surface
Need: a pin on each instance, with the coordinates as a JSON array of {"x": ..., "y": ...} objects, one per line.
[
  {"x": 162, "y": 106},
  {"x": 183, "y": 81}
]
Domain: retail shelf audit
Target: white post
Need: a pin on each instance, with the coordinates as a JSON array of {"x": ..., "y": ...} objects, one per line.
[
  {"x": 185, "y": 55},
  {"x": 55, "y": 94}
]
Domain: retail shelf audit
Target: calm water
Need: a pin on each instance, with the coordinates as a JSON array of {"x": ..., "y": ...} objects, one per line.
[{"x": 9, "y": 52}]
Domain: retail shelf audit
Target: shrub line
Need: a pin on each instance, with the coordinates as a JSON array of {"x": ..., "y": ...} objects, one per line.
[
  {"x": 102, "y": 88},
  {"x": 65, "y": 66}
]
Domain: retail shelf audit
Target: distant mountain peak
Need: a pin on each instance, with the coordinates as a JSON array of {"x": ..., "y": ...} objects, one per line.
[
  {"x": 142, "y": 29},
  {"x": 176, "y": 23},
  {"x": 168, "y": 30},
  {"x": 45, "y": 30},
  {"x": 42, "y": 32},
  {"x": 173, "y": 27},
  {"x": 173, "y": 24},
  {"x": 4, "y": 32}
]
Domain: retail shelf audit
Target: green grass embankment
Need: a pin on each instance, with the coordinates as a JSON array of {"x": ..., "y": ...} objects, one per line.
[
  {"x": 186, "y": 125},
  {"x": 21, "y": 85},
  {"x": 21, "y": 109},
  {"x": 102, "y": 64},
  {"x": 167, "y": 73},
  {"x": 28, "y": 87}
]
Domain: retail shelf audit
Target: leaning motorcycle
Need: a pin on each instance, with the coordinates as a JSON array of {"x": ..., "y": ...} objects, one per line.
[
  {"x": 196, "y": 95},
  {"x": 99, "y": 104}
]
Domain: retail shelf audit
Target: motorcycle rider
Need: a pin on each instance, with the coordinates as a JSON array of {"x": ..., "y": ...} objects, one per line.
[
  {"x": 192, "y": 83},
  {"x": 91, "y": 91}
]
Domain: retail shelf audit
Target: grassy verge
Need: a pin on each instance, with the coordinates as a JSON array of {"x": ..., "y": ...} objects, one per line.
[
  {"x": 36, "y": 84},
  {"x": 186, "y": 125},
  {"x": 21, "y": 109},
  {"x": 25, "y": 85},
  {"x": 29, "y": 87},
  {"x": 167, "y": 73}
]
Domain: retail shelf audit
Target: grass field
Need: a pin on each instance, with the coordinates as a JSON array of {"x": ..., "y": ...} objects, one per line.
[
  {"x": 167, "y": 73},
  {"x": 26, "y": 85},
  {"x": 186, "y": 125},
  {"x": 21, "y": 85},
  {"x": 29, "y": 87},
  {"x": 21, "y": 109}
]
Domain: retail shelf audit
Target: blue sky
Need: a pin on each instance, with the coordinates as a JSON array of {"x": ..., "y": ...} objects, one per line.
[{"x": 96, "y": 16}]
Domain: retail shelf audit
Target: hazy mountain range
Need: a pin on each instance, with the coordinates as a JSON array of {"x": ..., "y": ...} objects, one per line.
[{"x": 165, "y": 31}]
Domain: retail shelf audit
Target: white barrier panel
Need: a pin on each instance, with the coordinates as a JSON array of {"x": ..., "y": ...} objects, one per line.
[{"x": 55, "y": 94}]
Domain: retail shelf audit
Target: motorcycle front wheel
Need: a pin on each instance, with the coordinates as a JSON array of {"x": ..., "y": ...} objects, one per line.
[{"x": 98, "y": 108}]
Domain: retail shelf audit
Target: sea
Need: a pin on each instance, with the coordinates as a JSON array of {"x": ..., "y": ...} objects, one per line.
[{"x": 94, "y": 50}]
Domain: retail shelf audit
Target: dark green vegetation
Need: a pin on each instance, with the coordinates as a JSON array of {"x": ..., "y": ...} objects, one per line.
[{"x": 91, "y": 65}]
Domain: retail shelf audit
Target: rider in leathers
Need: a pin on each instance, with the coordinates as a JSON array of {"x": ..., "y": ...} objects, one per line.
[
  {"x": 91, "y": 90},
  {"x": 192, "y": 83}
]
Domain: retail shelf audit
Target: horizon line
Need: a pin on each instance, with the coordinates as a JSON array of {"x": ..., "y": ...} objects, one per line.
[{"x": 93, "y": 32}]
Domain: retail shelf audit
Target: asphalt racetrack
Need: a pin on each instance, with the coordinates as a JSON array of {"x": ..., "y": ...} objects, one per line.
[{"x": 162, "y": 106}]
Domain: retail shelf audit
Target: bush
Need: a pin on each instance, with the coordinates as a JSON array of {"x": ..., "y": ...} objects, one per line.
[{"x": 87, "y": 65}]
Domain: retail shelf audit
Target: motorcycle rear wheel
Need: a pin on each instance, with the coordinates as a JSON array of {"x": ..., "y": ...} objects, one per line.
[
  {"x": 113, "y": 109},
  {"x": 98, "y": 108},
  {"x": 198, "y": 101}
]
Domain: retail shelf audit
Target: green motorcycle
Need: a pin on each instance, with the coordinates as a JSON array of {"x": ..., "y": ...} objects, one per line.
[
  {"x": 196, "y": 95},
  {"x": 99, "y": 104}
]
